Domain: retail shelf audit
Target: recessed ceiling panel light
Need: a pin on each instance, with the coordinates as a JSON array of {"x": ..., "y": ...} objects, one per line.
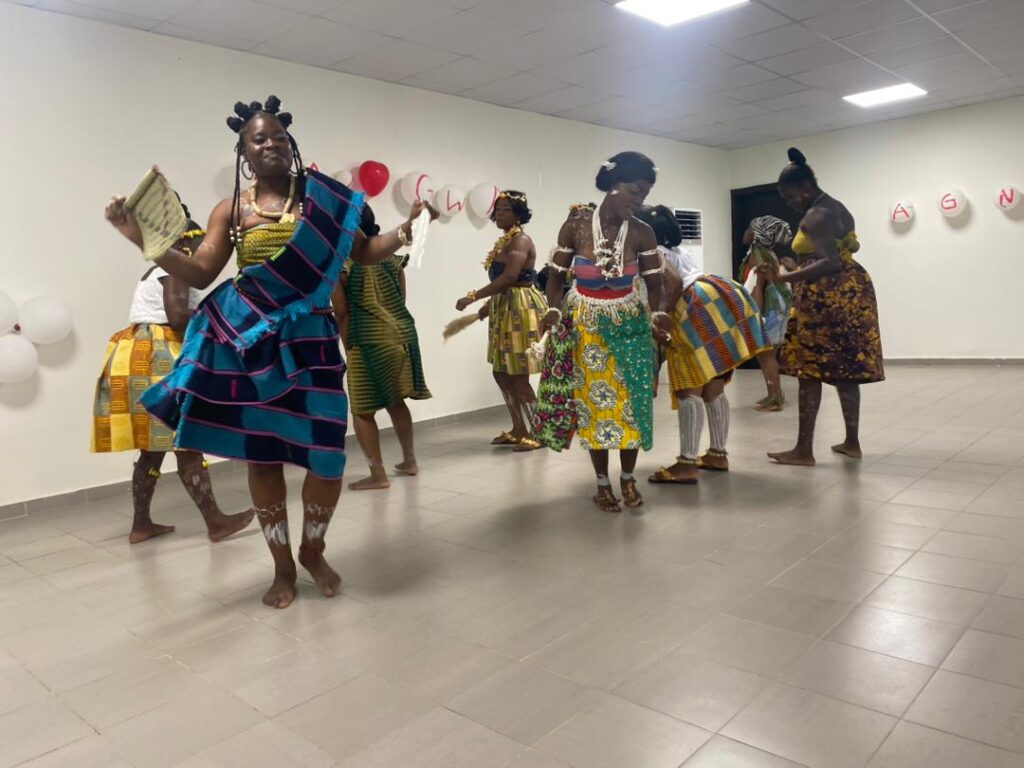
[
  {"x": 668, "y": 13},
  {"x": 888, "y": 95}
]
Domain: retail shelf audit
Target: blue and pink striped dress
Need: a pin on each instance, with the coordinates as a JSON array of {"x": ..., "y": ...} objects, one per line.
[{"x": 260, "y": 377}]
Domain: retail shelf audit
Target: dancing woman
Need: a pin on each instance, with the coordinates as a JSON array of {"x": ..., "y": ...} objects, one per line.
[
  {"x": 383, "y": 350},
  {"x": 260, "y": 376},
  {"x": 598, "y": 372},
  {"x": 137, "y": 357},
  {"x": 835, "y": 338},
  {"x": 514, "y": 307},
  {"x": 716, "y": 328}
]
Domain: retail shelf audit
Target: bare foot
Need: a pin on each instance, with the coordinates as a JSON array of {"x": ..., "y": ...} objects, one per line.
[
  {"x": 282, "y": 592},
  {"x": 851, "y": 450},
  {"x": 145, "y": 531},
  {"x": 370, "y": 483},
  {"x": 410, "y": 468},
  {"x": 794, "y": 458},
  {"x": 229, "y": 525},
  {"x": 325, "y": 578}
]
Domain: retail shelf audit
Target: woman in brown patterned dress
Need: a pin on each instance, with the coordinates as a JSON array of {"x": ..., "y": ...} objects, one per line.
[{"x": 835, "y": 337}]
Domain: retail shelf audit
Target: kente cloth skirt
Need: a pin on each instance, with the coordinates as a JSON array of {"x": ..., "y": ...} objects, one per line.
[
  {"x": 834, "y": 335},
  {"x": 717, "y": 328},
  {"x": 260, "y": 377},
  {"x": 514, "y": 325},
  {"x": 137, "y": 357}
]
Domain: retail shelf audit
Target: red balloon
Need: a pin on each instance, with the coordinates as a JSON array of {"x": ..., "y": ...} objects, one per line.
[{"x": 374, "y": 177}]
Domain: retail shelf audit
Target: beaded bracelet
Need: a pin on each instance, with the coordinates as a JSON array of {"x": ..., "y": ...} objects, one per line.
[{"x": 557, "y": 311}]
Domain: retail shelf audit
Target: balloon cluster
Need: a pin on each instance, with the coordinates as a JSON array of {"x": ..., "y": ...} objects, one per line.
[{"x": 39, "y": 321}]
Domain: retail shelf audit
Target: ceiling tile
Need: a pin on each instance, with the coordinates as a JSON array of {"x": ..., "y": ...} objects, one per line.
[
  {"x": 957, "y": 63},
  {"x": 70, "y": 8},
  {"x": 578, "y": 70},
  {"x": 934, "y": 6},
  {"x": 806, "y": 59},
  {"x": 981, "y": 14},
  {"x": 465, "y": 33},
  {"x": 934, "y": 77},
  {"x": 586, "y": 33},
  {"x": 794, "y": 100},
  {"x": 404, "y": 59},
  {"x": 860, "y": 70},
  {"x": 531, "y": 14},
  {"x": 916, "y": 54},
  {"x": 150, "y": 9},
  {"x": 310, "y": 7},
  {"x": 737, "y": 22},
  {"x": 288, "y": 54},
  {"x": 514, "y": 89},
  {"x": 356, "y": 67},
  {"x": 724, "y": 80},
  {"x": 862, "y": 17},
  {"x": 805, "y": 9},
  {"x": 894, "y": 36},
  {"x": 390, "y": 17},
  {"x": 561, "y": 100},
  {"x": 766, "y": 90},
  {"x": 592, "y": 113},
  {"x": 322, "y": 37},
  {"x": 209, "y": 38},
  {"x": 461, "y": 75},
  {"x": 239, "y": 18},
  {"x": 1010, "y": 32},
  {"x": 525, "y": 52},
  {"x": 462, "y": 5},
  {"x": 774, "y": 42}
]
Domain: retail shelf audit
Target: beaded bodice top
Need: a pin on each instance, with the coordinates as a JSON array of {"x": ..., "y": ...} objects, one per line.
[{"x": 263, "y": 242}]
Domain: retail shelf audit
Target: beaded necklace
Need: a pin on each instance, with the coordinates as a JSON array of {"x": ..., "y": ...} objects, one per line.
[
  {"x": 502, "y": 241},
  {"x": 608, "y": 260},
  {"x": 285, "y": 215}
]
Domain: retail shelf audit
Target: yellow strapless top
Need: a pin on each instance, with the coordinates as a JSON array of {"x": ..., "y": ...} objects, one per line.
[
  {"x": 803, "y": 245},
  {"x": 263, "y": 242}
]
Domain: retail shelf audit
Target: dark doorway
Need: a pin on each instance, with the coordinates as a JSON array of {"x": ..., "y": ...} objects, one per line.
[{"x": 748, "y": 203}]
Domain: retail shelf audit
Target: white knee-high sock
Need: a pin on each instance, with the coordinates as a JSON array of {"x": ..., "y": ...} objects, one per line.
[
  {"x": 718, "y": 422},
  {"x": 691, "y": 425}
]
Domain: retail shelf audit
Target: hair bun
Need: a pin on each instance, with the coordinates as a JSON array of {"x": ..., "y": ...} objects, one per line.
[{"x": 796, "y": 157}]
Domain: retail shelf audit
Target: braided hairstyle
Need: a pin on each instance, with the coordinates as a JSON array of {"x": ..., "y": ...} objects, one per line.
[{"x": 244, "y": 113}]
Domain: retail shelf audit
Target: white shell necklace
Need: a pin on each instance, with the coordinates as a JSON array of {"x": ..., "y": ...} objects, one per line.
[{"x": 608, "y": 260}]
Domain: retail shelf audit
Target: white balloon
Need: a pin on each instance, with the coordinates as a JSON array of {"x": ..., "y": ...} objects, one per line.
[
  {"x": 345, "y": 177},
  {"x": 952, "y": 203},
  {"x": 416, "y": 186},
  {"x": 901, "y": 212},
  {"x": 1007, "y": 198},
  {"x": 8, "y": 313},
  {"x": 482, "y": 198},
  {"x": 18, "y": 359},
  {"x": 45, "y": 320},
  {"x": 450, "y": 200}
]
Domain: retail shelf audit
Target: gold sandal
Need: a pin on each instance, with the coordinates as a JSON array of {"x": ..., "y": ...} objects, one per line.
[
  {"x": 527, "y": 444},
  {"x": 504, "y": 439},
  {"x": 605, "y": 499},
  {"x": 664, "y": 475}
]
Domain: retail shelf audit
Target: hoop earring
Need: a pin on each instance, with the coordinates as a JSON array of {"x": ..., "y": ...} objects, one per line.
[{"x": 247, "y": 172}]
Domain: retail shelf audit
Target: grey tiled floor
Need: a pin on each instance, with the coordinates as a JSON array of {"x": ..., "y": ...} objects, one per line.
[{"x": 846, "y": 616}]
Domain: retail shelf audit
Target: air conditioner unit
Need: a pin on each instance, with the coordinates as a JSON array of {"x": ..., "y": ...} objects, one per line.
[{"x": 691, "y": 222}]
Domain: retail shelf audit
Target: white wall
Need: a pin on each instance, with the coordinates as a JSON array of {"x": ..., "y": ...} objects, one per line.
[
  {"x": 88, "y": 107},
  {"x": 946, "y": 289}
]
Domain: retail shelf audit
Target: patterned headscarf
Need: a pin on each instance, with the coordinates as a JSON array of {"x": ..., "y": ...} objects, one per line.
[{"x": 770, "y": 231}]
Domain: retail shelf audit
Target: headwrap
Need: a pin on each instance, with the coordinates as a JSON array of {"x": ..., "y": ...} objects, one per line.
[{"x": 770, "y": 231}]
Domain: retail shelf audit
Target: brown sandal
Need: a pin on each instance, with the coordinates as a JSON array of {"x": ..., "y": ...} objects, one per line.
[
  {"x": 630, "y": 495},
  {"x": 605, "y": 499},
  {"x": 664, "y": 475},
  {"x": 714, "y": 461}
]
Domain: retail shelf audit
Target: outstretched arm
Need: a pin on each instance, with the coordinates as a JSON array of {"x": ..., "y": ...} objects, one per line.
[
  {"x": 371, "y": 250},
  {"x": 819, "y": 225},
  {"x": 515, "y": 260}
]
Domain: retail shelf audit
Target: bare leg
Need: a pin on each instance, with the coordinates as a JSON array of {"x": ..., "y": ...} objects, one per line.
[
  {"x": 144, "y": 478},
  {"x": 368, "y": 436},
  {"x": 505, "y": 387},
  {"x": 810, "y": 402},
  {"x": 401, "y": 418},
  {"x": 770, "y": 369},
  {"x": 605, "y": 498},
  {"x": 319, "y": 500},
  {"x": 849, "y": 399},
  {"x": 525, "y": 401},
  {"x": 194, "y": 475},
  {"x": 630, "y": 494},
  {"x": 266, "y": 484}
]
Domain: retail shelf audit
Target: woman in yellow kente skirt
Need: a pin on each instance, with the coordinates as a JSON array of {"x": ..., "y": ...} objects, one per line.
[
  {"x": 137, "y": 357},
  {"x": 834, "y": 338}
]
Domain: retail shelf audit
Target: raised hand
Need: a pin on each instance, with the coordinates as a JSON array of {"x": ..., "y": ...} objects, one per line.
[{"x": 123, "y": 221}]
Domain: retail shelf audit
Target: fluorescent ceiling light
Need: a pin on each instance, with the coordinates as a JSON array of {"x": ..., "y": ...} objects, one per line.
[
  {"x": 888, "y": 95},
  {"x": 668, "y": 13}
]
